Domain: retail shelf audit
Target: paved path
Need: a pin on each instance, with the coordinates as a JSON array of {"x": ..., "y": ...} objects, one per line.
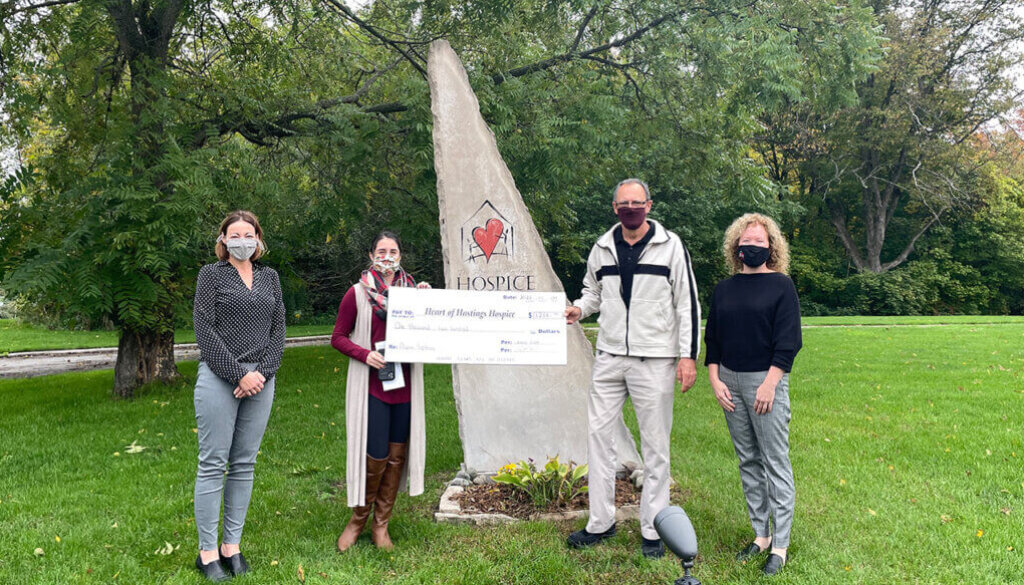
[{"x": 27, "y": 364}]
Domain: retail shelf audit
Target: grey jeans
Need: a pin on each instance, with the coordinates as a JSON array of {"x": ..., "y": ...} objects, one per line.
[
  {"x": 761, "y": 442},
  {"x": 230, "y": 431}
]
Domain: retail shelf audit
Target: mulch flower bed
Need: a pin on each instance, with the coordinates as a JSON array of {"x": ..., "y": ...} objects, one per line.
[{"x": 505, "y": 499}]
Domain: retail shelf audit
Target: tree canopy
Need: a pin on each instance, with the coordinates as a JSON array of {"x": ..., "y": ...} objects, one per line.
[{"x": 139, "y": 124}]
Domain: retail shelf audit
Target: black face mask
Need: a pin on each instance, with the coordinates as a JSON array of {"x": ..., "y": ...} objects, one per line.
[{"x": 753, "y": 256}]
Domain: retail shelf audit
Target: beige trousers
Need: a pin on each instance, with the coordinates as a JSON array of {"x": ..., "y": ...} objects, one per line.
[{"x": 649, "y": 382}]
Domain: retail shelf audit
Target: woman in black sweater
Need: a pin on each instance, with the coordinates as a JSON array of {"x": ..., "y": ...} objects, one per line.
[{"x": 752, "y": 337}]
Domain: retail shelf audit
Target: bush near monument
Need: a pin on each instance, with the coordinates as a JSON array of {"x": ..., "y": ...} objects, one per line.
[{"x": 556, "y": 483}]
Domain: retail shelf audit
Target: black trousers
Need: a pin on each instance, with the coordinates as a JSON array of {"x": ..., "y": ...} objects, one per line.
[{"x": 385, "y": 423}]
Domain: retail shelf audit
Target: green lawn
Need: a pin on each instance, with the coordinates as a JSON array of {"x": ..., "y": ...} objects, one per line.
[
  {"x": 907, "y": 446},
  {"x": 915, "y": 320},
  {"x": 15, "y": 336}
]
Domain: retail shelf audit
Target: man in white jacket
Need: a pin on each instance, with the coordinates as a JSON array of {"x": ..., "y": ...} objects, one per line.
[{"x": 640, "y": 278}]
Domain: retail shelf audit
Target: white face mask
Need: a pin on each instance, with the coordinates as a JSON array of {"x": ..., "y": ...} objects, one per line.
[
  {"x": 241, "y": 249},
  {"x": 388, "y": 263}
]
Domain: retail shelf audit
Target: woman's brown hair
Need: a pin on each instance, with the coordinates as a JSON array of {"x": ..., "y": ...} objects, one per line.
[{"x": 235, "y": 216}]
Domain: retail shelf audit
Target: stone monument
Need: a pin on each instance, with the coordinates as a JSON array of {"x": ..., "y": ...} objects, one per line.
[{"x": 489, "y": 241}]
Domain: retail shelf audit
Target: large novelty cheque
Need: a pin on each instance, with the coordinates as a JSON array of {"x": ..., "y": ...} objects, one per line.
[{"x": 475, "y": 327}]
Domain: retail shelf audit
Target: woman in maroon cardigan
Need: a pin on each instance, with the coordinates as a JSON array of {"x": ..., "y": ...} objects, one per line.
[{"x": 388, "y": 411}]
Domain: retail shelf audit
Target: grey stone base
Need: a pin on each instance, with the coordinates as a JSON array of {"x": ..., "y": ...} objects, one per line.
[{"x": 449, "y": 511}]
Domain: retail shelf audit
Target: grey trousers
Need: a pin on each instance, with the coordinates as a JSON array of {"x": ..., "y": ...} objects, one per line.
[
  {"x": 230, "y": 430},
  {"x": 650, "y": 383},
  {"x": 761, "y": 442}
]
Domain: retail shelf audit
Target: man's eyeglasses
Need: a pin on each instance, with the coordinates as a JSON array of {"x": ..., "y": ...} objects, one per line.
[{"x": 634, "y": 204}]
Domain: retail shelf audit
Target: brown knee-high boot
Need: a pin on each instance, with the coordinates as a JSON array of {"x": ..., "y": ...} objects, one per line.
[
  {"x": 389, "y": 484},
  {"x": 374, "y": 471}
]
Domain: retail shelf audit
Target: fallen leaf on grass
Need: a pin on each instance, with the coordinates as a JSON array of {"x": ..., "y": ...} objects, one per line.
[
  {"x": 133, "y": 448},
  {"x": 38, "y": 552},
  {"x": 945, "y": 519},
  {"x": 302, "y": 575},
  {"x": 1005, "y": 511},
  {"x": 166, "y": 549},
  {"x": 872, "y": 512},
  {"x": 273, "y": 563}
]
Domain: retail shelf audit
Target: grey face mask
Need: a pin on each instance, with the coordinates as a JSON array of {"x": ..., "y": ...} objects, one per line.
[{"x": 241, "y": 249}]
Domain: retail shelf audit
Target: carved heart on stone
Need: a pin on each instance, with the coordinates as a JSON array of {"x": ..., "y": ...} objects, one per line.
[{"x": 487, "y": 238}]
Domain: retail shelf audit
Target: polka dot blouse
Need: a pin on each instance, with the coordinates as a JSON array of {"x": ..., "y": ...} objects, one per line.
[{"x": 235, "y": 325}]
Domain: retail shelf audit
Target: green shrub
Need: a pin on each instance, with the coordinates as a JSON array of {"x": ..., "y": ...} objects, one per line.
[{"x": 556, "y": 483}]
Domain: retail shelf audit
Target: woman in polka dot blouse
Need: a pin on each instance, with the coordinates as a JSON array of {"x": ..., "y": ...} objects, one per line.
[
  {"x": 385, "y": 427},
  {"x": 240, "y": 330}
]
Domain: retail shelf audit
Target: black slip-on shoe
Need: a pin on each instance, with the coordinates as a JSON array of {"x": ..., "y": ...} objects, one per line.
[
  {"x": 213, "y": 570},
  {"x": 750, "y": 552},
  {"x": 652, "y": 549},
  {"x": 583, "y": 539},
  {"x": 774, "y": 564},
  {"x": 236, "y": 564}
]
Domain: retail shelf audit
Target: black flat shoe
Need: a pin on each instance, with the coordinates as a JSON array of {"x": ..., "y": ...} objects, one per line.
[
  {"x": 212, "y": 570},
  {"x": 583, "y": 539},
  {"x": 236, "y": 564},
  {"x": 652, "y": 549},
  {"x": 774, "y": 564},
  {"x": 750, "y": 552}
]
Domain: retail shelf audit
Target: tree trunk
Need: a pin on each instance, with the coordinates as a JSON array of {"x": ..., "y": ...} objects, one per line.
[
  {"x": 144, "y": 32},
  {"x": 144, "y": 357}
]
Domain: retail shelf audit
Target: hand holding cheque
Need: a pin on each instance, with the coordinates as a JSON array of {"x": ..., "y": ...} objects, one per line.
[{"x": 476, "y": 327}]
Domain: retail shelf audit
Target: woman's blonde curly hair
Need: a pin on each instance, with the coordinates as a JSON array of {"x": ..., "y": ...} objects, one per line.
[{"x": 778, "y": 249}]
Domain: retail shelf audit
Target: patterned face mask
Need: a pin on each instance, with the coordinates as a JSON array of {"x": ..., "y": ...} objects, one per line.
[
  {"x": 241, "y": 249},
  {"x": 387, "y": 263}
]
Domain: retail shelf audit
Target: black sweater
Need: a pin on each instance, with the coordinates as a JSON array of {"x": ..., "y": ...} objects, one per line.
[{"x": 753, "y": 323}]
